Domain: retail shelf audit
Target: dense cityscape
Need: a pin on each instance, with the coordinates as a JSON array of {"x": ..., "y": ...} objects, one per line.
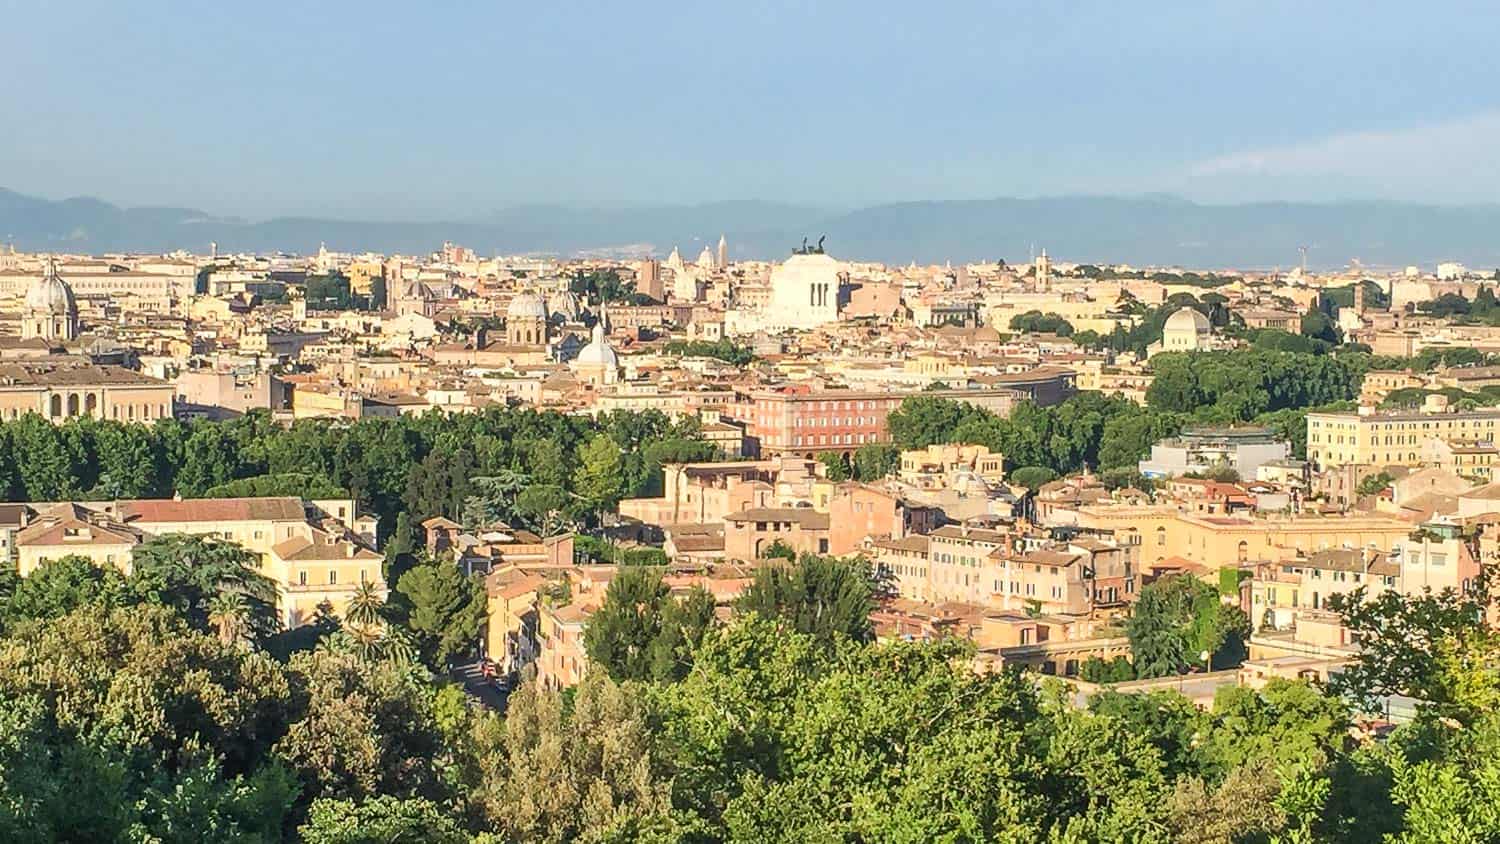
[
  {"x": 365, "y": 547},
  {"x": 845, "y": 422}
]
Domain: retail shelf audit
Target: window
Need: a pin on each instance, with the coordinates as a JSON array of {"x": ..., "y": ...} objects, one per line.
[
  {"x": 333, "y": 576},
  {"x": 302, "y": 578}
]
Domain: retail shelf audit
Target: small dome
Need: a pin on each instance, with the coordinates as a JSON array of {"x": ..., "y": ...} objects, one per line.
[
  {"x": 598, "y": 352},
  {"x": 51, "y": 295},
  {"x": 526, "y": 306},
  {"x": 1188, "y": 319}
]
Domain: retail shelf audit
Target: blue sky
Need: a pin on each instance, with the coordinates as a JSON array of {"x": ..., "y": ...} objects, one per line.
[{"x": 382, "y": 110}]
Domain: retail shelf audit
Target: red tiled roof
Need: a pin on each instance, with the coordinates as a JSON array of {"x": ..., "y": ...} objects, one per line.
[{"x": 212, "y": 510}]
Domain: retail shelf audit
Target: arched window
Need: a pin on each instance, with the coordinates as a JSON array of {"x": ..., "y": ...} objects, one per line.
[
  {"x": 91, "y": 404},
  {"x": 73, "y": 404},
  {"x": 56, "y": 406},
  {"x": 1244, "y": 551}
]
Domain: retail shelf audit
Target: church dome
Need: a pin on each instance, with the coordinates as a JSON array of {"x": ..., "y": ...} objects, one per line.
[
  {"x": 51, "y": 295},
  {"x": 526, "y": 306},
  {"x": 417, "y": 291},
  {"x": 1187, "y": 319},
  {"x": 598, "y": 352}
]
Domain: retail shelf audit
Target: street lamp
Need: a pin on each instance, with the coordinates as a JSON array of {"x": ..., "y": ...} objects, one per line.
[{"x": 1204, "y": 655}]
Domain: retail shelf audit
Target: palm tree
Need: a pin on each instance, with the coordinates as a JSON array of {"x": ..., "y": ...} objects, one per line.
[
  {"x": 229, "y": 614},
  {"x": 366, "y": 608},
  {"x": 398, "y": 645},
  {"x": 365, "y": 642},
  {"x": 190, "y": 573}
]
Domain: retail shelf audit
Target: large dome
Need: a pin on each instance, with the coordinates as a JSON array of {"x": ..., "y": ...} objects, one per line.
[
  {"x": 1188, "y": 319},
  {"x": 526, "y": 306},
  {"x": 51, "y": 295}
]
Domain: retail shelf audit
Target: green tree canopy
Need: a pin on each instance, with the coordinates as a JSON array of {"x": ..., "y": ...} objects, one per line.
[
  {"x": 875, "y": 461},
  {"x": 298, "y": 484},
  {"x": 642, "y": 632},
  {"x": 1176, "y": 619},
  {"x": 822, "y": 596},
  {"x": 444, "y": 609},
  {"x": 187, "y": 572}
]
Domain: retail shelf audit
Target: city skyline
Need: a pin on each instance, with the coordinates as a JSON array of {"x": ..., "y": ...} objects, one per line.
[{"x": 384, "y": 115}]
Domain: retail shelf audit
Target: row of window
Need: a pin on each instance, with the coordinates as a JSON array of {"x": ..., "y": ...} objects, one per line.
[
  {"x": 333, "y": 577},
  {"x": 872, "y": 404},
  {"x": 89, "y": 406},
  {"x": 848, "y": 439},
  {"x": 824, "y": 422}
]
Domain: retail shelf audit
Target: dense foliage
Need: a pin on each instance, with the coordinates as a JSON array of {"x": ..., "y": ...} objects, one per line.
[
  {"x": 421, "y": 465},
  {"x": 1088, "y": 429},
  {"x": 607, "y": 286},
  {"x": 1178, "y": 619},
  {"x": 1239, "y": 386},
  {"x": 1036, "y": 322},
  {"x": 123, "y": 719},
  {"x": 725, "y": 350}
]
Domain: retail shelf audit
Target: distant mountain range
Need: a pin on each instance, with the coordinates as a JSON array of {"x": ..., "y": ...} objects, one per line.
[{"x": 1146, "y": 230}]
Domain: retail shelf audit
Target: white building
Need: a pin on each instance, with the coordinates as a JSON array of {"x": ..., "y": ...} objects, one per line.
[
  {"x": 1198, "y": 450},
  {"x": 807, "y": 290}
]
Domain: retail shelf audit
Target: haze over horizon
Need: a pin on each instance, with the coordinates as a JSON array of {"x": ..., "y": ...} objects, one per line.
[{"x": 375, "y": 112}]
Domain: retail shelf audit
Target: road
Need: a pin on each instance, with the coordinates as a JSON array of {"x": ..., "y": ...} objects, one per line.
[{"x": 478, "y": 686}]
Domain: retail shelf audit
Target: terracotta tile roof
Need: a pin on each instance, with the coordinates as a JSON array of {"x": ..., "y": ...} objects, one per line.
[
  {"x": 212, "y": 510},
  {"x": 70, "y": 524},
  {"x": 916, "y": 542}
]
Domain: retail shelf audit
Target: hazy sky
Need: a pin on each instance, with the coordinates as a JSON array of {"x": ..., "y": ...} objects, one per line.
[{"x": 387, "y": 110}]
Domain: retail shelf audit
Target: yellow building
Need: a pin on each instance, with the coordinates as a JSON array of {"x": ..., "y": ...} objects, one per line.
[
  {"x": 1474, "y": 458},
  {"x": 942, "y": 466},
  {"x": 317, "y": 401},
  {"x": 1216, "y": 541},
  {"x": 64, "y": 529},
  {"x": 1379, "y": 383},
  {"x": 362, "y": 275},
  {"x": 561, "y": 659},
  {"x": 1391, "y": 439},
  {"x": 63, "y": 388},
  {"x": 511, "y": 623},
  {"x": 313, "y": 551}
]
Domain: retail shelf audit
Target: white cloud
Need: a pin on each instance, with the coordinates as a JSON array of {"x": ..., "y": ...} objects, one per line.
[{"x": 1453, "y": 161}]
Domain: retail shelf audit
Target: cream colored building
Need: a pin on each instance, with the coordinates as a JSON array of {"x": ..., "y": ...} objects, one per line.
[
  {"x": 1475, "y": 458},
  {"x": 1391, "y": 439},
  {"x": 313, "y": 551},
  {"x": 942, "y": 465},
  {"x": 1219, "y": 541},
  {"x": 807, "y": 290},
  {"x": 63, "y": 388}
]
